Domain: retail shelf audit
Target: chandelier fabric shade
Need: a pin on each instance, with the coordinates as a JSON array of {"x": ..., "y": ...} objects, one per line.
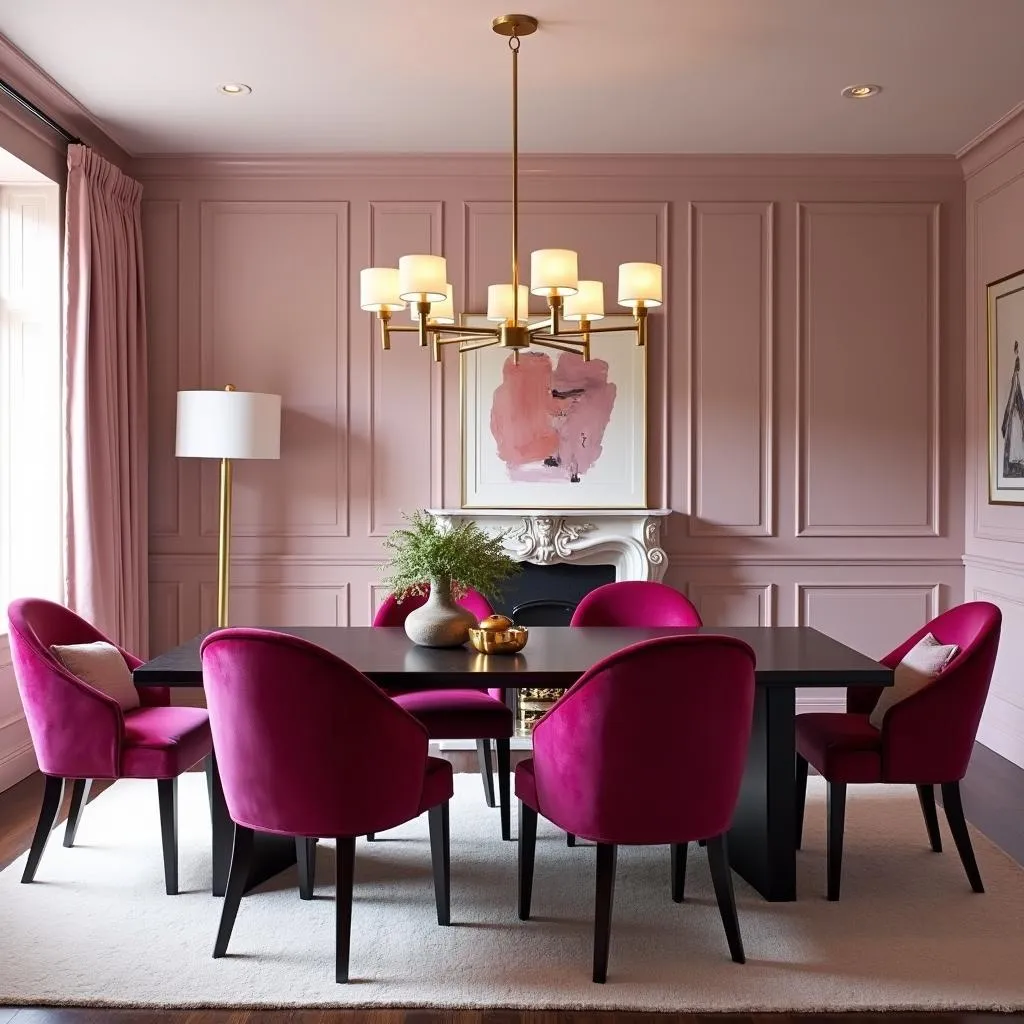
[{"x": 574, "y": 305}]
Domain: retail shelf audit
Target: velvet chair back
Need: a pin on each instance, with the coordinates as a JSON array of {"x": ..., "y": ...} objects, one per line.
[
  {"x": 635, "y": 603},
  {"x": 306, "y": 744},
  {"x": 391, "y": 613},
  {"x": 931, "y": 734},
  {"x": 649, "y": 745},
  {"x": 76, "y": 729}
]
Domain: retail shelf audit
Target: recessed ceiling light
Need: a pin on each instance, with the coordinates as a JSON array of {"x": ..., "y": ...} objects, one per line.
[
  {"x": 861, "y": 92},
  {"x": 234, "y": 89}
]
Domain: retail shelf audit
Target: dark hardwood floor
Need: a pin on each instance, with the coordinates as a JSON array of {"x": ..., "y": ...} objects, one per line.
[{"x": 993, "y": 796}]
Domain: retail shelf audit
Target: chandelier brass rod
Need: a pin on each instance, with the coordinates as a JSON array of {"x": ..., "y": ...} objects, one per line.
[
  {"x": 540, "y": 325},
  {"x": 473, "y": 348},
  {"x": 514, "y": 46},
  {"x": 468, "y": 337},
  {"x": 597, "y": 330},
  {"x": 567, "y": 346}
]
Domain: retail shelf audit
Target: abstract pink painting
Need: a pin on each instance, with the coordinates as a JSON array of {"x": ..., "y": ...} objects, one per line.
[{"x": 548, "y": 417}]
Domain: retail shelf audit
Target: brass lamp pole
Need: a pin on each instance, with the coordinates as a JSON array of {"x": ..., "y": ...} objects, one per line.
[
  {"x": 421, "y": 280},
  {"x": 227, "y": 425}
]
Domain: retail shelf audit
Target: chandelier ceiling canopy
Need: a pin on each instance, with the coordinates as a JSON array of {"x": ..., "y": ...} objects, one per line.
[{"x": 421, "y": 280}]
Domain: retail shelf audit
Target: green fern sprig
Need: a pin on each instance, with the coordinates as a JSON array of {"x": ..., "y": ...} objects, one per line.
[{"x": 464, "y": 554}]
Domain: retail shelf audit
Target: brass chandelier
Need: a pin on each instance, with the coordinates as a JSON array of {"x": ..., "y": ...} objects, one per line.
[{"x": 421, "y": 280}]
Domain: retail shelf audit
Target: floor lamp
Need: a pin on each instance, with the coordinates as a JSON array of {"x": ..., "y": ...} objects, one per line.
[{"x": 227, "y": 425}]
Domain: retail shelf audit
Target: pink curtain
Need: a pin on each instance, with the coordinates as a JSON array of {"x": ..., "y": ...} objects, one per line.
[{"x": 106, "y": 423}]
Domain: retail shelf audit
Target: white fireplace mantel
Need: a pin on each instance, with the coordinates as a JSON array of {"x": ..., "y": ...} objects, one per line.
[{"x": 628, "y": 539}]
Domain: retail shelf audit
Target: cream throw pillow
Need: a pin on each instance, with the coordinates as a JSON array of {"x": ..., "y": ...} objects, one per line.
[
  {"x": 920, "y": 665},
  {"x": 101, "y": 665}
]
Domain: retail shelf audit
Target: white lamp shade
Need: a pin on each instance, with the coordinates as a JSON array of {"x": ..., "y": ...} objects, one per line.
[
  {"x": 422, "y": 278},
  {"x": 228, "y": 425},
  {"x": 499, "y": 303},
  {"x": 554, "y": 271},
  {"x": 587, "y": 303},
  {"x": 378, "y": 289},
  {"x": 639, "y": 284},
  {"x": 442, "y": 312}
]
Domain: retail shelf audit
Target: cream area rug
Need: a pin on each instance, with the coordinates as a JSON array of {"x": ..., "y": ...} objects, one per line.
[{"x": 96, "y": 928}]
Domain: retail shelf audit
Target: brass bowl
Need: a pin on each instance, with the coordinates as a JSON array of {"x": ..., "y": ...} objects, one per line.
[{"x": 499, "y": 641}]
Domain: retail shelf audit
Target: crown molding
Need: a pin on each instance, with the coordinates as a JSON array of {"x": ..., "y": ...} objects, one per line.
[
  {"x": 36, "y": 85},
  {"x": 998, "y": 139},
  {"x": 591, "y": 165}
]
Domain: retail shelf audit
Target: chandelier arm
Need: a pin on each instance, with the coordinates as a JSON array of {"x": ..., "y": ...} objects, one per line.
[
  {"x": 459, "y": 338},
  {"x": 540, "y": 325},
  {"x": 565, "y": 346},
  {"x": 601, "y": 330},
  {"x": 473, "y": 348},
  {"x": 468, "y": 332}
]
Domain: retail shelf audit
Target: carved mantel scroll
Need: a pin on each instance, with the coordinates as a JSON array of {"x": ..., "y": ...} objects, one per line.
[{"x": 628, "y": 539}]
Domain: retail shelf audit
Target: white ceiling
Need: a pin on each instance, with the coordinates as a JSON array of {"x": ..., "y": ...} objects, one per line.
[{"x": 617, "y": 76}]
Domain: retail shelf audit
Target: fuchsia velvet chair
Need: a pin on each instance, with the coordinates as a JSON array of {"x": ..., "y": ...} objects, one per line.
[
  {"x": 307, "y": 746},
  {"x": 81, "y": 733},
  {"x": 648, "y": 747},
  {"x": 637, "y": 603},
  {"x": 925, "y": 740},
  {"x": 642, "y": 603},
  {"x": 460, "y": 714}
]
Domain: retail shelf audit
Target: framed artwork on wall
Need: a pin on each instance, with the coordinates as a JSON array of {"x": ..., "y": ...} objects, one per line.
[
  {"x": 1006, "y": 390},
  {"x": 552, "y": 431}
]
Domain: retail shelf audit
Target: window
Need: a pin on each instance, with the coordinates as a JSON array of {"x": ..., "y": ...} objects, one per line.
[{"x": 31, "y": 406}]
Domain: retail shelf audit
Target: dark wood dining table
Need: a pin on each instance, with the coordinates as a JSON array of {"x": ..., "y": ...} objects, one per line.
[{"x": 762, "y": 846}]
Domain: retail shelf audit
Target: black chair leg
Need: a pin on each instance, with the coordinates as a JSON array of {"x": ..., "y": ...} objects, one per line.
[
  {"x": 238, "y": 875},
  {"x": 570, "y": 839},
  {"x": 504, "y": 777},
  {"x": 79, "y": 797},
  {"x": 53, "y": 794},
  {"x": 209, "y": 767},
  {"x": 345, "y": 875},
  {"x": 603, "y": 908},
  {"x": 679, "y": 851},
  {"x": 483, "y": 756},
  {"x": 721, "y": 877},
  {"x": 440, "y": 860},
  {"x": 926, "y": 795},
  {"x": 836, "y": 822},
  {"x": 167, "y": 791},
  {"x": 527, "y": 849},
  {"x": 954, "y": 809},
  {"x": 305, "y": 857},
  {"x": 801, "y": 798}
]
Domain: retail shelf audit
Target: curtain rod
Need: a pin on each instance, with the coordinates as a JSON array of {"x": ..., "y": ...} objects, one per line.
[{"x": 36, "y": 112}]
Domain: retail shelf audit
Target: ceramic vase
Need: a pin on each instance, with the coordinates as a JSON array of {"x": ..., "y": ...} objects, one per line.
[{"x": 440, "y": 621}]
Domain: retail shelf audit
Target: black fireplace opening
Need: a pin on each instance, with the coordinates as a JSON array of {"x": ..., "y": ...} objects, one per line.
[{"x": 547, "y": 595}]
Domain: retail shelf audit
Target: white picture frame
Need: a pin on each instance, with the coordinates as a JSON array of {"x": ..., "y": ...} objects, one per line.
[
  {"x": 1005, "y": 305},
  {"x": 505, "y": 436}
]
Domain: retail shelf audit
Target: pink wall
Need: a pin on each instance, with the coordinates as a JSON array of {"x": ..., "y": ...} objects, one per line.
[
  {"x": 806, "y": 418},
  {"x": 994, "y": 543}
]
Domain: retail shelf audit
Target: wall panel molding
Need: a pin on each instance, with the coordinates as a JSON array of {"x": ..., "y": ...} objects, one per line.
[
  {"x": 304, "y": 429},
  {"x": 713, "y": 599},
  {"x": 163, "y": 302},
  {"x": 416, "y": 441},
  {"x": 723, "y": 341},
  {"x": 807, "y": 341}
]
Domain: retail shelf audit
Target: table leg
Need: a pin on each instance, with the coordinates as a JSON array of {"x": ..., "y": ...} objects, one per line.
[
  {"x": 270, "y": 855},
  {"x": 762, "y": 842}
]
